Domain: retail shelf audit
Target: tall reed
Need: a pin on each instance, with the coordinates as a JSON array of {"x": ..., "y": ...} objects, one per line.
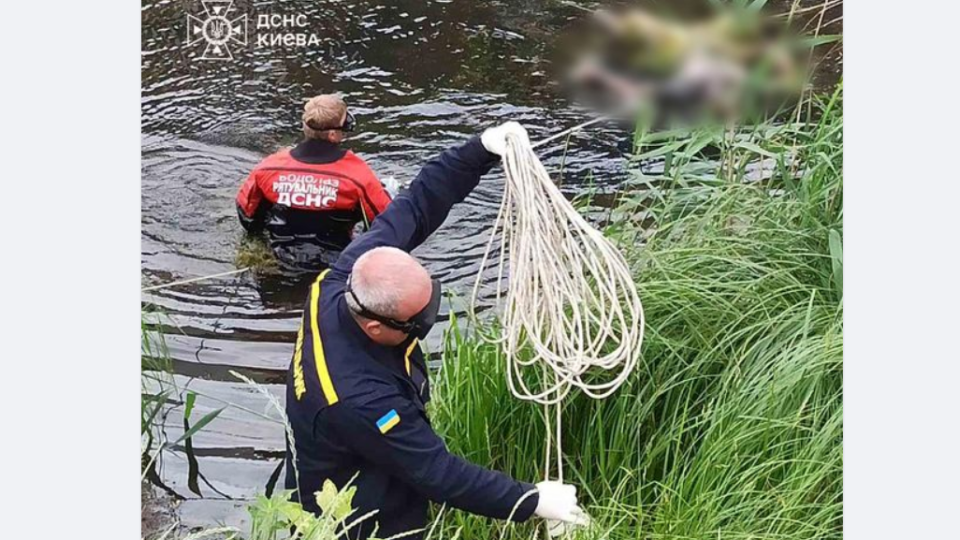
[{"x": 732, "y": 426}]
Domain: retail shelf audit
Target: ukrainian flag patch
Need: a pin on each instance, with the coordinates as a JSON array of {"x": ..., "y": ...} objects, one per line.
[{"x": 387, "y": 421}]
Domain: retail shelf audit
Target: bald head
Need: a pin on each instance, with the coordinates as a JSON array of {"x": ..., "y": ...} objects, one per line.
[{"x": 391, "y": 283}]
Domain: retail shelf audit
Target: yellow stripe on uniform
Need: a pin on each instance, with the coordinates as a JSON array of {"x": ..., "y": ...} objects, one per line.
[
  {"x": 319, "y": 359},
  {"x": 406, "y": 357},
  {"x": 298, "y": 384}
]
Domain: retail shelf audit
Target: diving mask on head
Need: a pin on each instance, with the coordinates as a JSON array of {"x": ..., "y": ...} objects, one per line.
[{"x": 349, "y": 124}]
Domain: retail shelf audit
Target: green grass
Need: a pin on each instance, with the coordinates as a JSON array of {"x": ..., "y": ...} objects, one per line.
[{"x": 732, "y": 426}]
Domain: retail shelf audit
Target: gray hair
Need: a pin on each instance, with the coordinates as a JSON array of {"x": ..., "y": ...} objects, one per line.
[{"x": 379, "y": 292}]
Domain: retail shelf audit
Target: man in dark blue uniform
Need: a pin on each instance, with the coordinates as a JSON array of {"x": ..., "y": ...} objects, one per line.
[{"x": 357, "y": 385}]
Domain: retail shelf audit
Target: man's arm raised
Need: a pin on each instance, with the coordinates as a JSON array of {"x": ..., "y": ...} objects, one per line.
[{"x": 419, "y": 210}]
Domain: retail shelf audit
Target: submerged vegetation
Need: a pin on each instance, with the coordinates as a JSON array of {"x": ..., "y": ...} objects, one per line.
[{"x": 254, "y": 252}]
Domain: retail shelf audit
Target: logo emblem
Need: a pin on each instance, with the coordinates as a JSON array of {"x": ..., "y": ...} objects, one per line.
[{"x": 218, "y": 30}]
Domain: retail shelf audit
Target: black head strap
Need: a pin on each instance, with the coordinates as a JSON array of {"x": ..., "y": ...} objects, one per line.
[
  {"x": 348, "y": 125},
  {"x": 403, "y": 326}
]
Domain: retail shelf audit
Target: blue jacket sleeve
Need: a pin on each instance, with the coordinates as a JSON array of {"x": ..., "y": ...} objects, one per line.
[
  {"x": 420, "y": 210},
  {"x": 390, "y": 431}
]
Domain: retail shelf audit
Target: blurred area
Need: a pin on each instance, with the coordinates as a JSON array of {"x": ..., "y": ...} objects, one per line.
[{"x": 722, "y": 62}]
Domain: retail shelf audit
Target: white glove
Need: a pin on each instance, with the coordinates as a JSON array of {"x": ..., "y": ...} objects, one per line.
[
  {"x": 392, "y": 185},
  {"x": 495, "y": 139},
  {"x": 558, "y": 501}
]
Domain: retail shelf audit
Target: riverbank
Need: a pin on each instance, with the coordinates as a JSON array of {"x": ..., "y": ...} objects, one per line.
[
  {"x": 732, "y": 427},
  {"x": 158, "y": 511}
]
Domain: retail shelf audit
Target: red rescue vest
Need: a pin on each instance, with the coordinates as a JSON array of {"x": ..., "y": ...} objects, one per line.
[{"x": 347, "y": 184}]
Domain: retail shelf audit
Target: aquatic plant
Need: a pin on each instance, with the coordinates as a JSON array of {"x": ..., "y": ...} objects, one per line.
[
  {"x": 154, "y": 386},
  {"x": 159, "y": 395},
  {"x": 254, "y": 252}
]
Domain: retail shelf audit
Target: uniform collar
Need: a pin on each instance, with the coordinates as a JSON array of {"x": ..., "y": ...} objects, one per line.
[{"x": 317, "y": 151}]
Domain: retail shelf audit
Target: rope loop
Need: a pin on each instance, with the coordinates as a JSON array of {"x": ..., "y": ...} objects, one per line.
[{"x": 571, "y": 316}]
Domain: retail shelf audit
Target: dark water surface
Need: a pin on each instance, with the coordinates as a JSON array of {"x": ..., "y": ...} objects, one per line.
[{"x": 420, "y": 76}]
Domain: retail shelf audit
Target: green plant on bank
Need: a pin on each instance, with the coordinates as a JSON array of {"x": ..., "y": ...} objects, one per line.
[
  {"x": 732, "y": 426},
  {"x": 276, "y": 516}
]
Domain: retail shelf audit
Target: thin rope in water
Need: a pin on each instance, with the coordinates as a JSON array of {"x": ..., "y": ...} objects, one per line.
[
  {"x": 194, "y": 280},
  {"x": 565, "y": 132},
  {"x": 571, "y": 314}
]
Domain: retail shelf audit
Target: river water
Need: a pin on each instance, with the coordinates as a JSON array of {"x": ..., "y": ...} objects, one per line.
[{"x": 420, "y": 76}]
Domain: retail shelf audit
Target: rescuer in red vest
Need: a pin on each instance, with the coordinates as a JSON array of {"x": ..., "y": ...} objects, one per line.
[{"x": 309, "y": 198}]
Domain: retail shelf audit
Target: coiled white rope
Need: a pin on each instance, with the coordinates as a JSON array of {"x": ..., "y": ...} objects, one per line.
[{"x": 571, "y": 316}]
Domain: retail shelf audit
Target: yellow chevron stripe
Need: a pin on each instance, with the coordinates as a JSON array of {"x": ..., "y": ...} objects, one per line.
[{"x": 319, "y": 359}]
